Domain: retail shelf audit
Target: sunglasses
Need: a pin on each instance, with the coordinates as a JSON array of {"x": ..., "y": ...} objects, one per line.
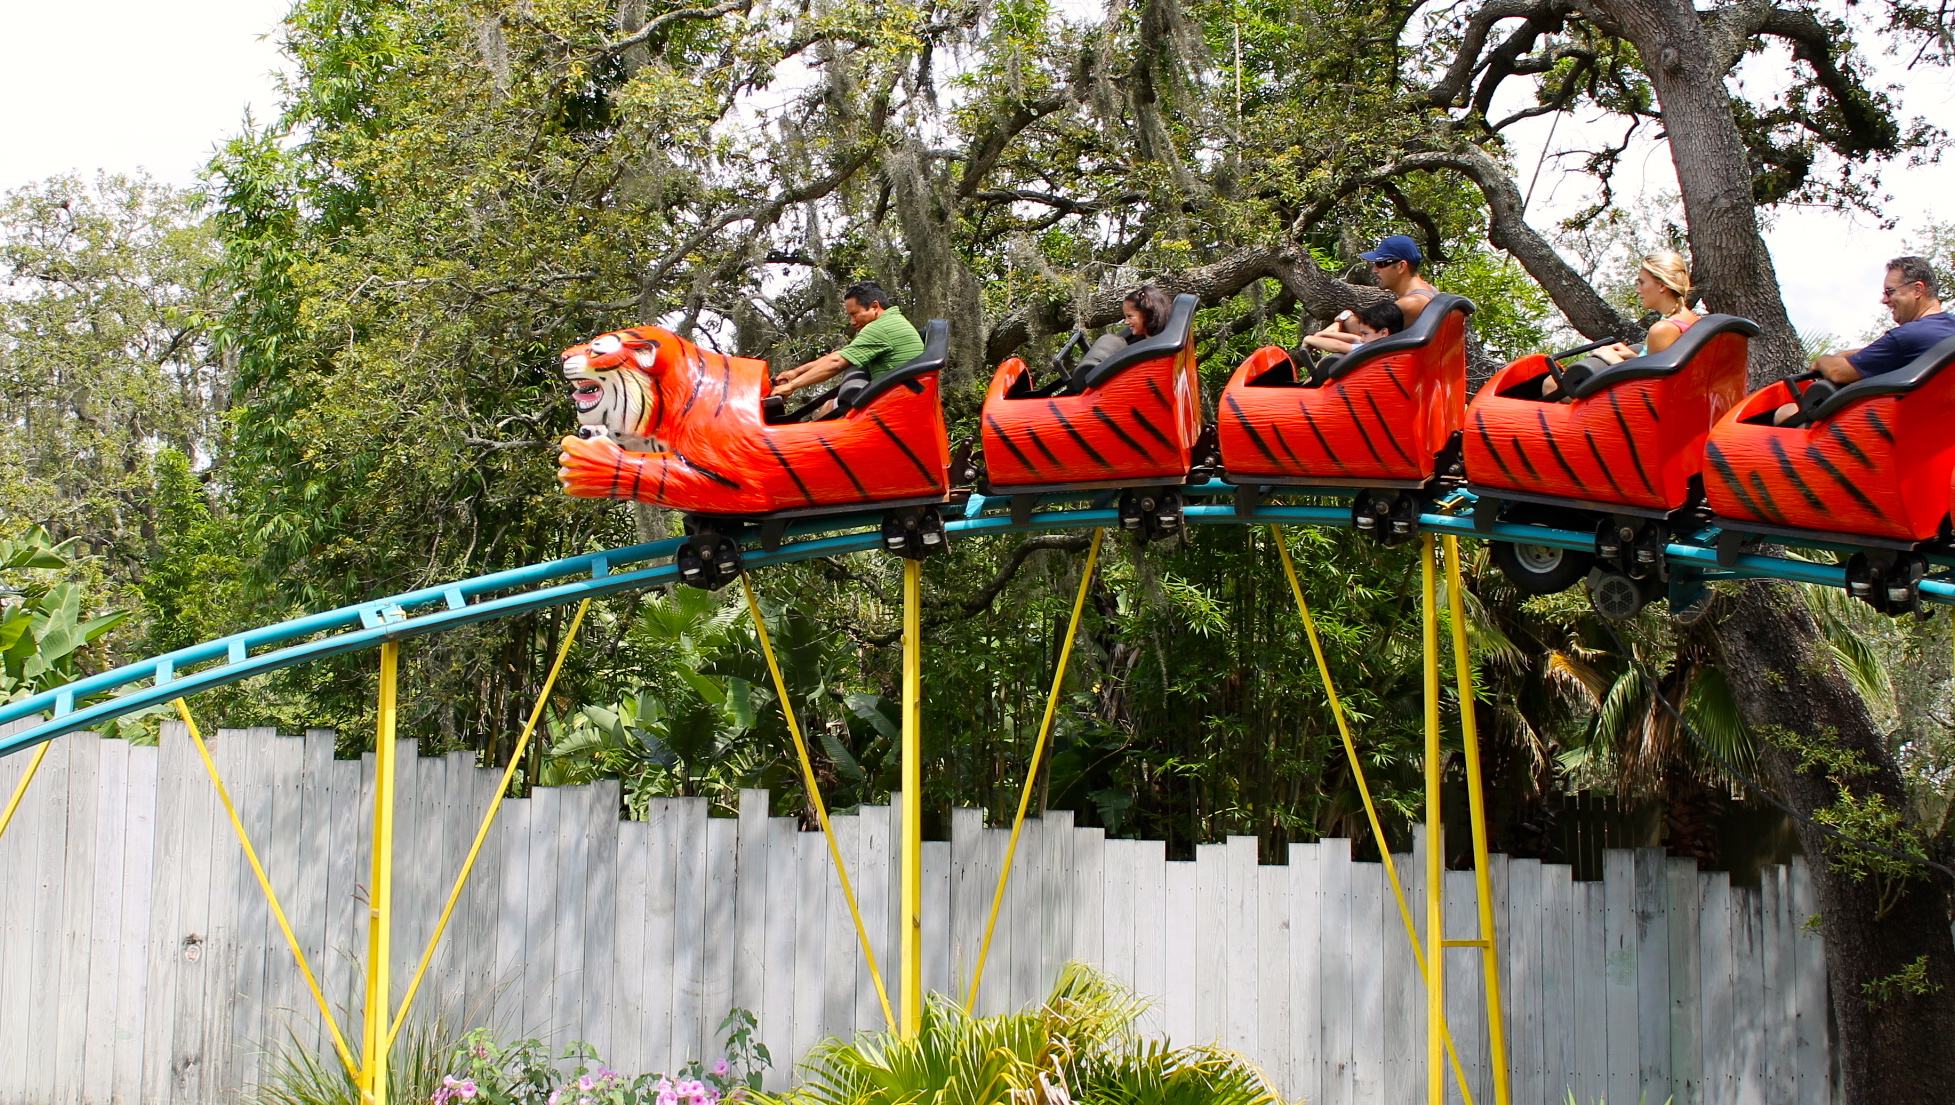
[
  {"x": 1888, "y": 293},
  {"x": 1382, "y": 264}
]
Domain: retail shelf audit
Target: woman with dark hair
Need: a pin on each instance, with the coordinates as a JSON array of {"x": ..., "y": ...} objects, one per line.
[{"x": 1146, "y": 310}]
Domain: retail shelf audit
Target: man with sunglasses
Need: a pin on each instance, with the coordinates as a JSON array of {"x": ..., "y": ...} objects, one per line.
[
  {"x": 1914, "y": 296},
  {"x": 1396, "y": 265}
]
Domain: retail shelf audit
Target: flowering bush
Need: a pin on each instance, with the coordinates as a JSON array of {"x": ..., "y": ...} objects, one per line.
[{"x": 525, "y": 1073}]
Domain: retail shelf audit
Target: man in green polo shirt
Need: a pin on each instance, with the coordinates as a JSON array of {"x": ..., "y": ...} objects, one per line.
[{"x": 884, "y": 340}]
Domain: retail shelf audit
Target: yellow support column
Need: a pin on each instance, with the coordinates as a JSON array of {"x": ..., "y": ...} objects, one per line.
[
  {"x": 1435, "y": 842},
  {"x": 1477, "y": 808},
  {"x": 912, "y": 852},
  {"x": 380, "y": 891}
]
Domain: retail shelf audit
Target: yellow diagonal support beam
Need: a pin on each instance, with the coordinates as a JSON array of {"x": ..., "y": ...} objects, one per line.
[
  {"x": 814, "y": 795},
  {"x": 488, "y": 821},
  {"x": 1364, "y": 792},
  {"x": 1038, "y": 755},
  {"x": 271, "y": 896}
]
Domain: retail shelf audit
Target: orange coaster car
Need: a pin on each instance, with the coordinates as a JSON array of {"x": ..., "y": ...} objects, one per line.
[
  {"x": 666, "y": 422},
  {"x": 1622, "y": 454},
  {"x": 1866, "y": 465},
  {"x": 1130, "y": 422},
  {"x": 1385, "y": 416}
]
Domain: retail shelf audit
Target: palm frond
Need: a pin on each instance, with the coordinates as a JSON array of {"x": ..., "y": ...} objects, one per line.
[{"x": 1712, "y": 711}]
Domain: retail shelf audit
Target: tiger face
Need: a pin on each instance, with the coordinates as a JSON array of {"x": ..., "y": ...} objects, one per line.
[{"x": 613, "y": 384}]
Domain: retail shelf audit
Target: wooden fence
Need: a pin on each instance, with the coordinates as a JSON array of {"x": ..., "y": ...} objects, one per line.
[{"x": 140, "y": 964}]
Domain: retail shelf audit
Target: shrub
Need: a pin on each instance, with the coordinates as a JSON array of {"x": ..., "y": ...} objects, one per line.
[{"x": 1077, "y": 1048}]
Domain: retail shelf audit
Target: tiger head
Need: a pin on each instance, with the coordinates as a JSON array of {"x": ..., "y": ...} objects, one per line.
[{"x": 614, "y": 384}]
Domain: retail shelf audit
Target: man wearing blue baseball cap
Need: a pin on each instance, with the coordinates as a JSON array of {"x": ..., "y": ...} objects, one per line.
[{"x": 1396, "y": 265}]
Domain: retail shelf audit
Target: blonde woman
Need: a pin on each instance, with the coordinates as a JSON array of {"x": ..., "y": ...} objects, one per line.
[{"x": 1663, "y": 286}]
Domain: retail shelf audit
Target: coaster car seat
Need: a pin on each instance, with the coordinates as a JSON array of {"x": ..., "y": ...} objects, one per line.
[
  {"x": 1379, "y": 416},
  {"x": 1628, "y": 440},
  {"x": 1870, "y": 463},
  {"x": 666, "y": 422},
  {"x": 1131, "y": 419}
]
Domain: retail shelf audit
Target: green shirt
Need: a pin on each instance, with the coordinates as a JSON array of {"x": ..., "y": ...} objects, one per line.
[{"x": 887, "y": 343}]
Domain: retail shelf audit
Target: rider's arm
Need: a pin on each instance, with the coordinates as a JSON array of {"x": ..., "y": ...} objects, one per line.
[
  {"x": 1836, "y": 367},
  {"x": 813, "y": 372}
]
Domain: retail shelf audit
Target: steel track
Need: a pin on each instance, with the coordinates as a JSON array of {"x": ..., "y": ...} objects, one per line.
[{"x": 81, "y": 705}]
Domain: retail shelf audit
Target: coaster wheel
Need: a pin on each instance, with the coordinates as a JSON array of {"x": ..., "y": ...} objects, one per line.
[
  {"x": 1541, "y": 569},
  {"x": 709, "y": 559}
]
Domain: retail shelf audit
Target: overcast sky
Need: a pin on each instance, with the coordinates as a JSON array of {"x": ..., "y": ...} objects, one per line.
[{"x": 120, "y": 85}]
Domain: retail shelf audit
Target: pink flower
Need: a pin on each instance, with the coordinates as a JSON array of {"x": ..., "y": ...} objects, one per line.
[
  {"x": 554, "y": 1096},
  {"x": 465, "y": 1089},
  {"x": 720, "y": 1068},
  {"x": 586, "y": 1083}
]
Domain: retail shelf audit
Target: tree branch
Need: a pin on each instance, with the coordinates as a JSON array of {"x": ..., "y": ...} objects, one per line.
[
  {"x": 1507, "y": 228},
  {"x": 645, "y": 33}
]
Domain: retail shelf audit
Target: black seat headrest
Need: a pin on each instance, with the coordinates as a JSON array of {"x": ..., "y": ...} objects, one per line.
[
  {"x": 936, "y": 350},
  {"x": 1900, "y": 381},
  {"x": 1668, "y": 362},
  {"x": 1170, "y": 341},
  {"x": 1416, "y": 336}
]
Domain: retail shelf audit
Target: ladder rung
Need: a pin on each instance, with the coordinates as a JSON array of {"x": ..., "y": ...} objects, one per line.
[{"x": 1462, "y": 943}]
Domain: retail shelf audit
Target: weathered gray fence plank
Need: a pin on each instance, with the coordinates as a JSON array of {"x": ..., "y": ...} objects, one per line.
[{"x": 143, "y": 919}]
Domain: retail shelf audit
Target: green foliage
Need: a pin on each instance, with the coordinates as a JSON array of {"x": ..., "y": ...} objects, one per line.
[
  {"x": 485, "y": 1071},
  {"x": 295, "y": 1075},
  {"x": 1078, "y": 1046},
  {"x": 104, "y": 357},
  {"x": 44, "y": 629},
  {"x": 1909, "y": 980}
]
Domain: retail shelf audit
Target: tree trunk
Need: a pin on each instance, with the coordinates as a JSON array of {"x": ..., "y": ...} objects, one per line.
[
  {"x": 1729, "y": 260},
  {"x": 1901, "y": 1049},
  {"x": 1791, "y": 692}
]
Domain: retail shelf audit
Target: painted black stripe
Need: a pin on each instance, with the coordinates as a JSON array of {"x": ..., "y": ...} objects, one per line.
[
  {"x": 1262, "y": 447},
  {"x": 1359, "y": 423},
  {"x": 1480, "y": 424},
  {"x": 698, "y": 381},
  {"x": 1814, "y": 454},
  {"x": 844, "y": 466},
  {"x": 1595, "y": 451},
  {"x": 1852, "y": 447},
  {"x": 1555, "y": 448},
  {"x": 664, "y": 473},
  {"x": 1765, "y": 496},
  {"x": 637, "y": 474},
  {"x": 1277, "y": 430},
  {"x": 1649, "y": 406},
  {"x": 1730, "y": 477},
  {"x": 1033, "y": 435},
  {"x": 1141, "y": 421},
  {"x": 1393, "y": 377},
  {"x": 617, "y": 471},
  {"x": 1155, "y": 389},
  {"x": 900, "y": 444},
  {"x": 1629, "y": 439},
  {"x": 1792, "y": 474},
  {"x": 1304, "y": 409},
  {"x": 703, "y": 470},
  {"x": 1385, "y": 428},
  {"x": 1107, "y": 421},
  {"x": 726, "y": 383},
  {"x": 1873, "y": 416},
  {"x": 1009, "y": 443},
  {"x": 1079, "y": 439},
  {"x": 789, "y": 468},
  {"x": 1521, "y": 452}
]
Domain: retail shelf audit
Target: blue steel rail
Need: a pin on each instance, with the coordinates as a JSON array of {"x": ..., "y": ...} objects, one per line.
[{"x": 80, "y": 705}]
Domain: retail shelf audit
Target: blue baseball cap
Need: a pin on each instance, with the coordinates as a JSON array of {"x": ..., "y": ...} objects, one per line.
[{"x": 1398, "y": 247}]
